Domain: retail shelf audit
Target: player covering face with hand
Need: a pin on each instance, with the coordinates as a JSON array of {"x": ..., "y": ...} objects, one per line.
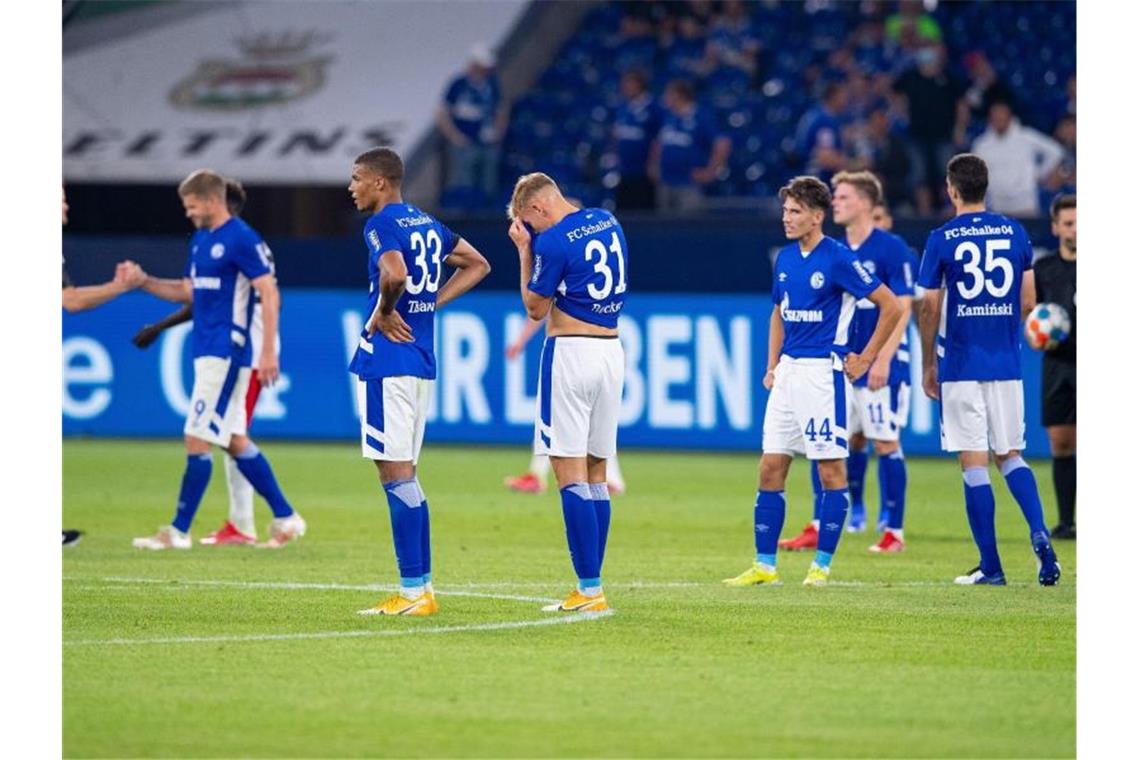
[
  {"x": 572, "y": 267},
  {"x": 815, "y": 285}
]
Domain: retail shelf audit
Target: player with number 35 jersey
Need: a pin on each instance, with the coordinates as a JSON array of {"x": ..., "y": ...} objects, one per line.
[
  {"x": 573, "y": 265},
  {"x": 977, "y": 272}
]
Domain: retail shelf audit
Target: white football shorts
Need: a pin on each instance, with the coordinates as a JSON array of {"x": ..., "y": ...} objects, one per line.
[
  {"x": 579, "y": 396},
  {"x": 878, "y": 415},
  {"x": 983, "y": 416},
  {"x": 217, "y": 403},
  {"x": 807, "y": 409},
  {"x": 393, "y": 413}
]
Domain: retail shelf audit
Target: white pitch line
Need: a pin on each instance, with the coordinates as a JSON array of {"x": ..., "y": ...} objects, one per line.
[
  {"x": 291, "y": 585},
  {"x": 579, "y": 617}
]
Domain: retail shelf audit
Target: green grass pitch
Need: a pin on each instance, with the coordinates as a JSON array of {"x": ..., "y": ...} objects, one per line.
[{"x": 232, "y": 651}]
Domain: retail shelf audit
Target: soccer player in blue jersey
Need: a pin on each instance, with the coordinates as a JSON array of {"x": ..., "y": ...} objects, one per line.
[
  {"x": 573, "y": 264},
  {"x": 395, "y": 357},
  {"x": 874, "y": 402},
  {"x": 979, "y": 280},
  {"x": 816, "y": 282},
  {"x": 228, "y": 260}
]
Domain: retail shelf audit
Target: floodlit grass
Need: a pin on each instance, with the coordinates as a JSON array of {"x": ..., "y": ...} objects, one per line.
[{"x": 233, "y": 651}]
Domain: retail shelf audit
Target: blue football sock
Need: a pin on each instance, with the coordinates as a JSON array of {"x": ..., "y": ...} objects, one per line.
[
  {"x": 1023, "y": 486},
  {"x": 768, "y": 521},
  {"x": 980, "y": 513},
  {"x": 823, "y": 559},
  {"x": 425, "y": 536},
  {"x": 600, "y": 494},
  {"x": 255, "y": 467},
  {"x": 582, "y": 533},
  {"x": 856, "y": 472},
  {"x": 893, "y": 484},
  {"x": 884, "y": 506},
  {"x": 194, "y": 482},
  {"x": 833, "y": 513},
  {"x": 405, "y": 506}
]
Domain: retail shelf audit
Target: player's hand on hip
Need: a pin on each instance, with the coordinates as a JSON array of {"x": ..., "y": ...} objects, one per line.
[
  {"x": 930, "y": 383},
  {"x": 268, "y": 369},
  {"x": 769, "y": 379},
  {"x": 855, "y": 366},
  {"x": 879, "y": 374},
  {"x": 392, "y": 326},
  {"x": 520, "y": 235}
]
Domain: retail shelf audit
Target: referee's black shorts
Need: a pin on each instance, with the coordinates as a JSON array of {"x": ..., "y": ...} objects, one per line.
[{"x": 1058, "y": 392}]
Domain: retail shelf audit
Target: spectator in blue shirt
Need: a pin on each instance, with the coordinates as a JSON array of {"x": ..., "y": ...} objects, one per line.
[
  {"x": 637, "y": 122},
  {"x": 688, "y": 153},
  {"x": 473, "y": 118},
  {"x": 819, "y": 139}
]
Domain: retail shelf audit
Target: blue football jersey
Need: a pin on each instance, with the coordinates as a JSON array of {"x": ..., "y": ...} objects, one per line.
[
  {"x": 980, "y": 259},
  {"x": 424, "y": 243},
  {"x": 582, "y": 261},
  {"x": 817, "y": 295},
  {"x": 221, "y": 265},
  {"x": 887, "y": 257},
  {"x": 686, "y": 144}
]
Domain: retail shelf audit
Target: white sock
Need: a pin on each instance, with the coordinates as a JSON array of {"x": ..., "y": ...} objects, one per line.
[
  {"x": 896, "y": 533},
  {"x": 815, "y": 524},
  {"x": 540, "y": 466},
  {"x": 411, "y": 592},
  {"x": 592, "y": 591},
  {"x": 241, "y": 498}
]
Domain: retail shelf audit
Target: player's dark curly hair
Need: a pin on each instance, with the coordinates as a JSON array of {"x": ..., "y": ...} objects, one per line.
[
  {"x": 969, "y": 175},
  {"x": 809, "y": 191}
]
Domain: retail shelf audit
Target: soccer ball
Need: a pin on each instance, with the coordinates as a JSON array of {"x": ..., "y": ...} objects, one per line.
[{"x": 1047, "y": 327}]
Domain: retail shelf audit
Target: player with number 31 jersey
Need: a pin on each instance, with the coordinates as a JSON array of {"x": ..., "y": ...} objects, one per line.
[{"x": 573, "y": 265}]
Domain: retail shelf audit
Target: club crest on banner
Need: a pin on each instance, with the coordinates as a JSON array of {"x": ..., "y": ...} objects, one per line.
[{"x": 274, "y": 69}]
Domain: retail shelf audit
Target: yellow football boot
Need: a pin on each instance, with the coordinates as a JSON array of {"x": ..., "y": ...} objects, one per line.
[
  {"x": 757, "y": 575},
  {"x": 396, "y": 604},
  {"x": 579, "y": 602},
  {"x": 817, "y": 576}
]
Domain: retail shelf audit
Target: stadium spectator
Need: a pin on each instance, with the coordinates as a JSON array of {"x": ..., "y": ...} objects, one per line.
[
  {"x": 1019, "y": 158},
  {"x": 733, "y": 44},
  {"x": 688, "y": 53},
  {"x": 1056, "y": 280},
  {"x": 637, "y": 122},
  {"x": 985, "y": 87},
  {"x": 884, "y": 150},
  {"x": 937, "y": 115},
  {"x": 912, "y": 25},
  {"x": 473, "y": 118},
  {"x": 1063, "y": 179},
  {"x": 819, "y": 142},
  {"x": 688, "y": 153}
]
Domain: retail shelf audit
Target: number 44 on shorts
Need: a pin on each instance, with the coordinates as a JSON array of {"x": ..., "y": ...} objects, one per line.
[{"x": 811, "y": 432}]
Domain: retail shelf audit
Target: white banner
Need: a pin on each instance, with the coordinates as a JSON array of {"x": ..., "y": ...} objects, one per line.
[{"x": 270, "y": 92}]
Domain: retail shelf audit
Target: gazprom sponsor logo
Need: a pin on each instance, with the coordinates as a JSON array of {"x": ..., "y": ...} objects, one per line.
[
  {"x": 802, "y": 315},
  {"x": 207, "y": 283}
]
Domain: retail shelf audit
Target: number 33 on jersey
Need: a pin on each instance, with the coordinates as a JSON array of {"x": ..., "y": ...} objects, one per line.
[{"x": 582, "y": 261}]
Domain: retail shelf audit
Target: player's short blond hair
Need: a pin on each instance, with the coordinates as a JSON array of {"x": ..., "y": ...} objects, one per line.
[
  {"x": 204, "y": 183},
  {"x": 864, "y": 182},
  {"x": 526, "y": 188}
]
